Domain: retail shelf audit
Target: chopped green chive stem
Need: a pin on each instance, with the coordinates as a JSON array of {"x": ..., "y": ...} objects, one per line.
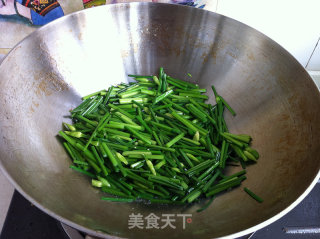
[
  {"x": 253, "y": 152},
  {"x": 67, "y": 147},
  {"x": 233, "y": 140},
  {"x": 241, "y": 137},
  {"x": 116, "y": 132},
  {"x": 113, "y": 191},
  {"x": 239, "y": 152},
  {"x": 156, "y": 137},
  {"x": 192, "y": 196},
  {"x": 160, "y": 164},
  {"x": 82, "y": 171},
  {"x": 138, "y": 135},
  {"x": 186, "y": 158},
  {"x": 119, "y": 125},
  {"x": 96, "y": 183},
  {"x": 152, "y": 156},
  {"x": 194, "y": 95},
  {"x": 214, "y": 91},
  {"x": 174, "y": 140},
  {"x": 253, "y": 195},
  {"x": 223, "y": 154},
  {"x": 69, "y": 127},
  {"x": 162, "y": 107},
  {"x": 184, "y": 121},
  {"x": 82, "y": 106},
  {"x": 227, "y": 106},
  {"x": 140, "y": 76},
  {"x": 105, "y": 117},
  {"x": 144, "y": 124},
  {"x": 210, "y": 182},
  {"x": 93, "y": 106},
  {"x": 80, "y": 162},
  {"x": 118, "y": 199},
  {"x": 93, "y": 123},
  {"x": 233, "y": 176},
  {"x": 226, "y": 186},
  {"x": 100, "y": 162},
  {"x": 199, "y": 167},
  {"x": 207, "y": 205},
  {"x": 190, "y": 141},
  {"x": 162, "y": 126},
  {"x": 181, "y": 82},
  {"x": 128, "y": 88},
  {"x": 148, "y": 92},
  {"x": 183, "y": 87},
  {"x": 177, "y": 106},
  {"x": 142, "y": 79},
  {"x": 106, "y": 99},
  {"x": 110, "y": 154},
  {"x": 122, "y": 111},
  {"x": 136, "y": 152},
  {"x": 122, "y": 158},
  {"x": 209, "y": 170},
  {"x": 131, "y": 100},
  {"x": 94, "y": 94},
  {"x": 196, "y": 136},
  {"x": 160, "y": 147},
  {"x": 193, "y": 157},
  {"x": 104, "y": 181},
  {"x": 162, "y": 97},
  {"x": 134, "y": 176},
  {"x": 128, "y": 94},
  {"x": 138, "y": 164},
  {"x": 125, "y": 118}
]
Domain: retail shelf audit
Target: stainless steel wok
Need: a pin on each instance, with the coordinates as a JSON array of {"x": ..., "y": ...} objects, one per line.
[{"x": 46, "y": 74}]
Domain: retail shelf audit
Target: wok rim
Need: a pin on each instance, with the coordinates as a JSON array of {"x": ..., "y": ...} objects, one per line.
[{"x": 92, "y": 232}]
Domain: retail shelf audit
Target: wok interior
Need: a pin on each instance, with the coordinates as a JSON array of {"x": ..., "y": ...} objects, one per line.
[{"x": 46, "y": 75}]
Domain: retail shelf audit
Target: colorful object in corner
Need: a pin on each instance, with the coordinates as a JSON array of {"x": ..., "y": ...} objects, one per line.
[
  {"x": 42, "y": 7},
  {"x": 43, "y": 11},
  {"x": 192, "y": 3},
  {"x": 93, "y": 3}
]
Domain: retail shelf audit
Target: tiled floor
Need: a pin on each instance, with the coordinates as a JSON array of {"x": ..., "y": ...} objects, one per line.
[
  {"x": 6, "y": 191},
  {"x": 316, "y": 77}
]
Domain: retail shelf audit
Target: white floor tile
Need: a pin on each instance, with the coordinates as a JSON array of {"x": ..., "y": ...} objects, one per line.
[
  {"x": 315, "y": 75},
  {"x": 6, "y": 192}
]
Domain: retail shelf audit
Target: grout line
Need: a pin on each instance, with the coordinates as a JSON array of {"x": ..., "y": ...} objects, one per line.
[{"x": 314, "y": 49}]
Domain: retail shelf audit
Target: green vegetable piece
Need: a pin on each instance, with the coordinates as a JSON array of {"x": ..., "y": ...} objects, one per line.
[
  {"x": 110, "y": 154},
  {"x": 174, "y": 140},
  {"x": 162, "y": 97},
  {"x": 253, "y": 195},
  {"x": 96, "y": 183}
]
